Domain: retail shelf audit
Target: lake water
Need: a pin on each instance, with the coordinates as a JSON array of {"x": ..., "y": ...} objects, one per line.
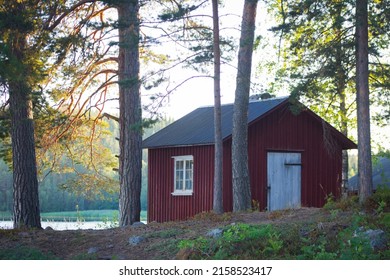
[{"x": 64, "y": 225}]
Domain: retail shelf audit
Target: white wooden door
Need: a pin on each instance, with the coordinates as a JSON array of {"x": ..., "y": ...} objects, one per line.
[{"x": 284, "y": 180}]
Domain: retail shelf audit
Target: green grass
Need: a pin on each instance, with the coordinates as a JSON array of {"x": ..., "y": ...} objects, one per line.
[
  {"x": 73, "y": 216},
  {"x": 24, "y": 253}
]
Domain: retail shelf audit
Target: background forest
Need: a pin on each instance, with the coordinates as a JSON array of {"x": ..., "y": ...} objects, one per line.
[{"x": 68, "y": 188}]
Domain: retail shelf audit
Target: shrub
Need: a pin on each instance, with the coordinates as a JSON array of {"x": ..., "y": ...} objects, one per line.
[
  {"x": 239, "y": 241},
  {"x": 381, "y": 198},
  {"x": 344, "y": 203}
]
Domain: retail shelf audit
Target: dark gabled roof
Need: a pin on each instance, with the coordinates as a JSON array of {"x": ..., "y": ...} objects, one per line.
[{"x": 197, "y": 128}]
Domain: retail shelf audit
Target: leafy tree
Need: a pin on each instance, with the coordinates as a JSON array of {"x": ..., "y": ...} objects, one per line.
[
  {"x": 20, "y": 74},
  {"x": 5, "y": 187},
  {"x": 319, "y": 58},
  {"x": 241, "y": 180},
  {"x": 35, "y": 40}
]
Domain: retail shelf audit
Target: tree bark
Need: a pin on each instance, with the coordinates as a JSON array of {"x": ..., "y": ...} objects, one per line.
[
  {"x": 344, "y": 130},
  {"x": 363, "y": 102},
  {"x": 26, "y": 212},
  {"x": 240, "y": 169},
  {"x": 341, "y": 77},
  {"x": 130, "y": 116},
  {"x": 218, "y": 146}
]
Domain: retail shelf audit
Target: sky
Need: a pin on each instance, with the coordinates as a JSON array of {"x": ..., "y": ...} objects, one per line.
[{"x": 198, "y": 92}]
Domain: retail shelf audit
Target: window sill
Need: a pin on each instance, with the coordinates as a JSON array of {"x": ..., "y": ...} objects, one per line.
[{"x": 182, "y": 193}]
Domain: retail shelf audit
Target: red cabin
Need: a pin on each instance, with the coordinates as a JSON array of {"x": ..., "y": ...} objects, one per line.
[{"x": 294, "y": 160}]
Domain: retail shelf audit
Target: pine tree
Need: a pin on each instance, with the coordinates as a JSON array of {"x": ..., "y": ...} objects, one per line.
[
  {"x": 218, "y": 146},
  {"x": 363, "y": 102},
  {"x": 33, "y": 43},
  {"x": 240, "y": 169},
  {"x": 130, "y": 113}
]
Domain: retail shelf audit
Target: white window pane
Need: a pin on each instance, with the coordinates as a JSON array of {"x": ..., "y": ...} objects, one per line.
[
  {"x": 189, "y": 165},
  {"x": 179, "y": 175},
  {"x": 179, "y": 165},
  {"x": 179, "y": 185},
  {"x": 188, "y": 184}
]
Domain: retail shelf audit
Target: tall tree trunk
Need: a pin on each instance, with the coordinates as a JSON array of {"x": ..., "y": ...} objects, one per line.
[
  {"x": 241, "y": 180},
  {"x": 26, "y": 211},
  {"x": 218, "y": 146},
  {"x": 363, "y": 102},
  {"x": 130, "y": 116},
  {"x": 341, "y": 78},
  {"x": 344, "y": 130}
]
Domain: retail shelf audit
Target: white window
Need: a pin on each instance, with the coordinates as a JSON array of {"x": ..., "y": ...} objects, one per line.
[{"x": 184, "y": 171}]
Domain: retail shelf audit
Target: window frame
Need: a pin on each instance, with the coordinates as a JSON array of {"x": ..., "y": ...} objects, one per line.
[{"x": 183, "y": 191}]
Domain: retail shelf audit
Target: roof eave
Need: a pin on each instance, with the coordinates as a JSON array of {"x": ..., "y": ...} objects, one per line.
[{"x": 177, "y": 146}]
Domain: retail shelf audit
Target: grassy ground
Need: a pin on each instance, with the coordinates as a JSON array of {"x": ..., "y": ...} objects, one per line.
[
  {"x": 72, "y": 216},
  {"x": 338, "y": 231}
]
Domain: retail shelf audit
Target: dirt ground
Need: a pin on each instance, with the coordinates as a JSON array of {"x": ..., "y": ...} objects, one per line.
[{"x": 159, "y": 240}]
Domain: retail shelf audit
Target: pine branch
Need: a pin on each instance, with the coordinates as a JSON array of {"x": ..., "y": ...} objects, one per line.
[
  {"x": 51, "y": 27},
  {"x": 109, "y": 116}
]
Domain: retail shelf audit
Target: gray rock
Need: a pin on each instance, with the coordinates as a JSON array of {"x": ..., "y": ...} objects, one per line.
[
  {"x": 136, "y": 240},
  {"x": 93, "y": 250},
  {"x": 138, "y": 224},
  {"x": 49, "y": 228},
  {"x": 215, "y": 233},
  {"x": 376, "y": 237}
]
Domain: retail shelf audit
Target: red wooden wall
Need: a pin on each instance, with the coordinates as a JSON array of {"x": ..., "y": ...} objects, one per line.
[
  {"x": 278, "y": 131},
  {"x": 162, "y": 205},
  {"x": 282, "y": 131}
]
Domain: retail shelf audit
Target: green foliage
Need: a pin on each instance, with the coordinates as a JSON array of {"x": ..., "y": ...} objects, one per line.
[
  {"x": 316, "y": 251},
  {"x": 168, "y": 233},
  {"x": 333, "y": 239},
  {"x": 380, "y": 199},
  {"x": 330, "y": 202},
  {"x": 70, "y": 176},
  {"x": 385, "y": 222},
  {"x": 24, "y": 253},
  {"x": 342, "y": 204},
  {"x": 317, "y": 51},
  {"x": 358, "y": 248},
  {"x": 239, "y": 241}
]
